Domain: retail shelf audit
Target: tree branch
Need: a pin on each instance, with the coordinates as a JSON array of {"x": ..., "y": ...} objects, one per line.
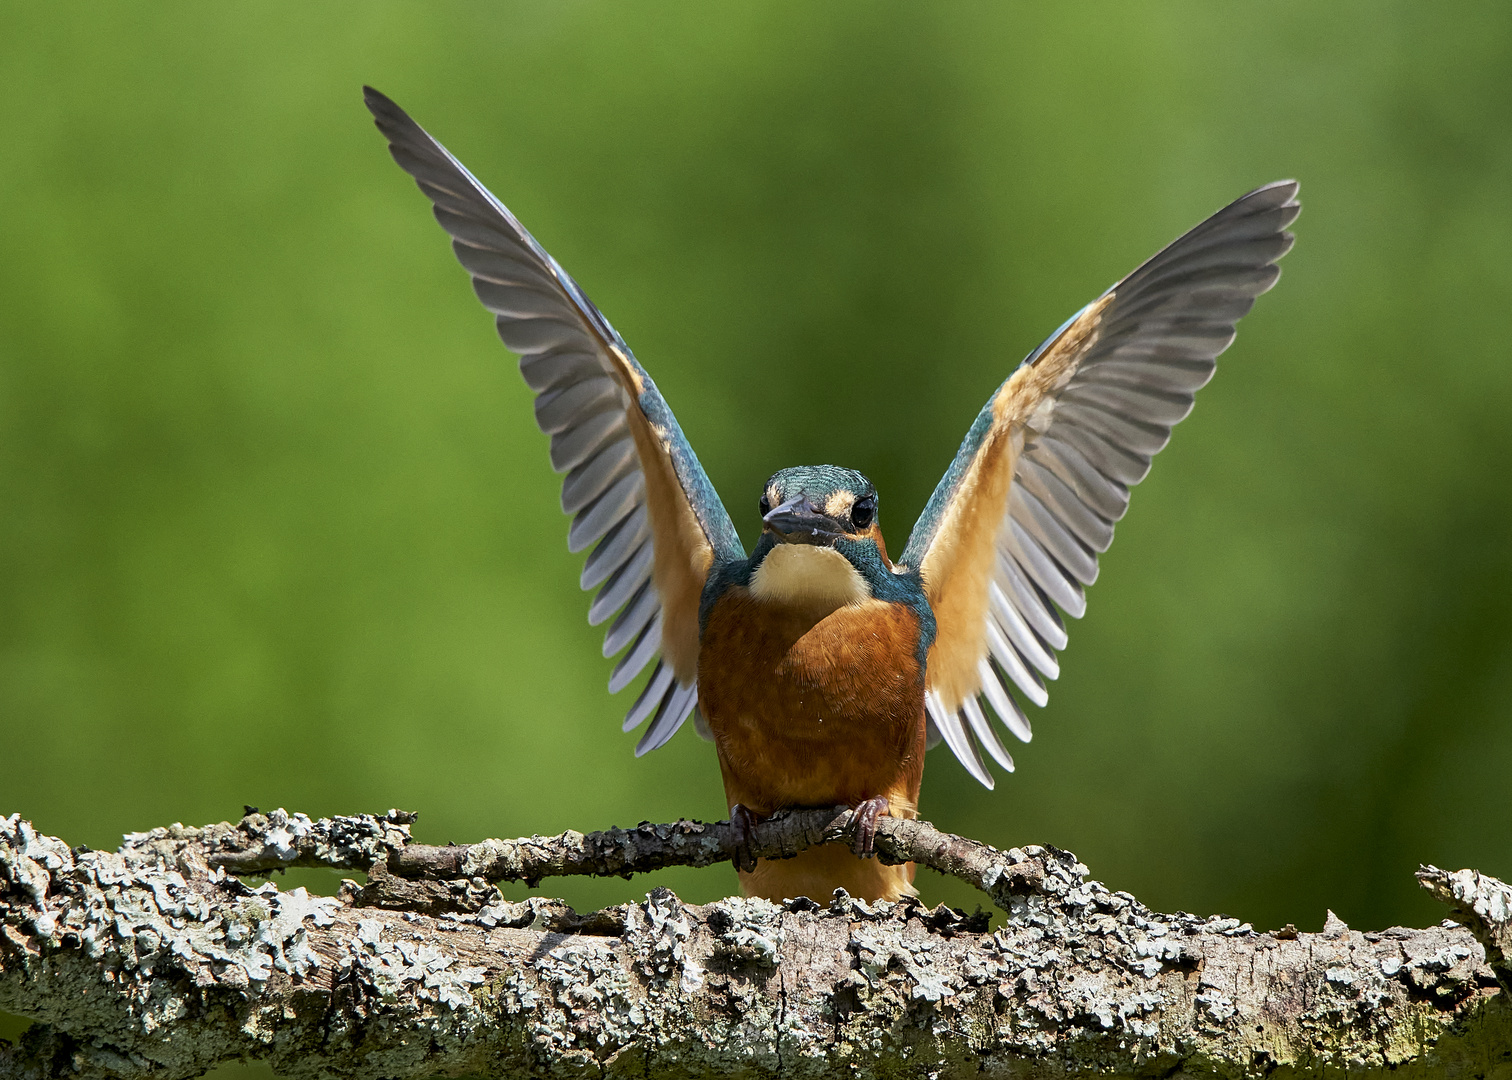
[
  {"x": 158, "y": 961},
  {"x": 259, "y": 843}
]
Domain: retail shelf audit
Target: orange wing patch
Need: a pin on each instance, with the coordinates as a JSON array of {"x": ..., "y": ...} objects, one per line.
[
  {"x": 960, "y": 565},
  {"x": 961, "y": 561}
]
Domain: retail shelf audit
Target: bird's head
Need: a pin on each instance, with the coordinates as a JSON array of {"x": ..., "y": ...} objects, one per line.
[
  {"x": 820, "y": 544},
  {"x": 819, "y": 505}
]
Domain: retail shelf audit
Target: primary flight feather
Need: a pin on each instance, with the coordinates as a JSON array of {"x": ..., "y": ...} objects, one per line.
[{"x": 822, "y": 669}]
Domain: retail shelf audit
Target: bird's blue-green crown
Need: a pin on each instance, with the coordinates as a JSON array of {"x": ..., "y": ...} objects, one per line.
[
  {"x": 818, "y": 482},
  {"x": 844, "y": 499}
]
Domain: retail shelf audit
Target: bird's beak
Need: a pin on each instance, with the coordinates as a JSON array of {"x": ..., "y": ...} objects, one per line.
[{"x": 799, "y": 521}]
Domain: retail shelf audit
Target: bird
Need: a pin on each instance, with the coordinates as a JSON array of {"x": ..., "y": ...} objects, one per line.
[{"x": 821, "y": 669}]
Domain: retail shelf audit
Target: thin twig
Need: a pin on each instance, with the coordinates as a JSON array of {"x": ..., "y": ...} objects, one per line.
[{"x": 263, "y": 842}]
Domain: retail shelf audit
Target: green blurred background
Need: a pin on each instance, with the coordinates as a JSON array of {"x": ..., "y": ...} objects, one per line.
[{"x": 276, "y": 526}]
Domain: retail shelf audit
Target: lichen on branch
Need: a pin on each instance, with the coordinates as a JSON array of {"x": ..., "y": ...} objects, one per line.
[{"x": 158, "y": 961}]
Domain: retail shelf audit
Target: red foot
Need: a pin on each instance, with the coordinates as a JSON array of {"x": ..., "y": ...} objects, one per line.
[
  {"x": 744, "y": 823},
  {"x": 864, "y": 825}
]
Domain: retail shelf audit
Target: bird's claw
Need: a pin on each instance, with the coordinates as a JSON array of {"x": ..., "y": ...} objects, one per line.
[
  {"x": 863, "y": 825},
  {"x": 744, "y": 823}
]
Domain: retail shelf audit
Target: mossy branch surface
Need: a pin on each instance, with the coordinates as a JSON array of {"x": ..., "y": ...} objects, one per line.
[{"x": 158, "y": 961}]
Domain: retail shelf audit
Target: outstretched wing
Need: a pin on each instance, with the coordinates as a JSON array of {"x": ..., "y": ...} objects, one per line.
[
  {"x": 1014, "y": 528},
  {"x": 633, "y": 485}
]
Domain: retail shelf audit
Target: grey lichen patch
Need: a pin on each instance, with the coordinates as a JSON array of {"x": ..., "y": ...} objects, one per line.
[
  {"x": 393, "y": 965},
  {"x": 666, "y": 932},
  {"x": 580, "y": 1000},
  {"x": 877, "y": 953},
  {"x": 1480, "y": 902},
  {"x": 749, "y": 930},
  {"x": 267, "y": 841},
  {"x": 139, "y": 914},
  {"x": 139, "y": 947},
  {"x": 498, "y": 858}
]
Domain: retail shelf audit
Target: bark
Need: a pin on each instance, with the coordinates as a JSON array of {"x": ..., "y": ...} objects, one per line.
[{"x": 157, "y": 960}]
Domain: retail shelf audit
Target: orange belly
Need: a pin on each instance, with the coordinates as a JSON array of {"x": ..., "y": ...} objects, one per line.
[{"x": 815, "y": 708}]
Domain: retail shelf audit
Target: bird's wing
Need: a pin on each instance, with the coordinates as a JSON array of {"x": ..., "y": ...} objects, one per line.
[
  {"x": 633, "y": 485},
  {"x": 1014, "y": 528}
]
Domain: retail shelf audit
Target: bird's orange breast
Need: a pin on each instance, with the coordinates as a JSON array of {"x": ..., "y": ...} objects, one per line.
[{"x": 812, "y": 707}]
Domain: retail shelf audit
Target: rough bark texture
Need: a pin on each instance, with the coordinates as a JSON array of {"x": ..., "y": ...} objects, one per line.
[{"x": 158, "y": 961}]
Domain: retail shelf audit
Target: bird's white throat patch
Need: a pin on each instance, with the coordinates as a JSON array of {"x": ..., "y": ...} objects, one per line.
[{"x": 807, "y": 573}]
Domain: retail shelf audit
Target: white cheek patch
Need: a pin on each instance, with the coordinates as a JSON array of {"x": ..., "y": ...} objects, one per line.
[{"x": 805, "y": 573}]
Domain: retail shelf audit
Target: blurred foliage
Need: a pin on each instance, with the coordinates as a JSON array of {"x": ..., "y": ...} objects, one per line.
[{"x": 276, "y": 526}]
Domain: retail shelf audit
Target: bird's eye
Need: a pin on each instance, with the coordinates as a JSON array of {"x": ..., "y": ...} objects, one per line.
[
  {"x": 863, "y": 511},
  {"x": 765, "y": 506}
]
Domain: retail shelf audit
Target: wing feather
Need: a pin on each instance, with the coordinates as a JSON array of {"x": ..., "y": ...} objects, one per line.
[
  {"x": 641, "y": 653},
  {"x": 1040, "y": 566},
  {"x": 651, "y": 696},
  {"x": 1101, "y": 493},
  {"x": 675, "y": 708},
  {"x": 949, "y": 727},
  {"x": 548, "y": 370},
  {"x": 592, "y": 478},
  {"x": 599, "y": 516},
  {"x": 633, "y": 485},
  {"x": 615, "y": 547},
  {"x": 622, "y": 585},
  {"x": 1056, "y": 539},
  {"x": 976, "y": 723},
  {"x": 1031, "y": 603},
  {"x": 1013, "y": 531},
  {"x": 561, "y": 408},
  {"x": 1083, "y": 520},
  {"x": 1010, "y": 660},
  {"x": 995, "y": 687},
  {"x": 644, "y": 606},
  {"x": 575, "y": 445},
  {"x": 1026, "y": 642},
  {"x": 1124, "y": 464}
]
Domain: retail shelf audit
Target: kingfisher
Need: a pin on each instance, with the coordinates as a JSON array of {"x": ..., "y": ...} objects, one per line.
[{"x": 820, "y": 668}]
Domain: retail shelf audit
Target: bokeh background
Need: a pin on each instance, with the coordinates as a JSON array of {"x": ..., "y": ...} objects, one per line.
[{"x": 276, "y": 526}]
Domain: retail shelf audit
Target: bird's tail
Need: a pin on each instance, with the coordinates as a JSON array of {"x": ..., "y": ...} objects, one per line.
[{"x": 817, "y": 872}]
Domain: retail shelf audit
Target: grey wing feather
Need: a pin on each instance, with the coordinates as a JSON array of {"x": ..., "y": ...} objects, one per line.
[
  {"x": 633, "y": 662},
  {"x": 1156, "y": 345},
  {"x": 615, "y": 548},
  {"x": 951, "y": 727},
  {"x": 675, "y": 708},
  {"x": 642, "y": 608},
  {"x": 587, "y": 481},
  {"x": 622, "y": 585},
  {"x": 543, "y": 315},
  {"x": 651, "y": 696}
]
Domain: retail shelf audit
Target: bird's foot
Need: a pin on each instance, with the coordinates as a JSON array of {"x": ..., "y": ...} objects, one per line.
[
  {"x": 744, "y": 823},
  {"x": 863, "y": 825}
]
